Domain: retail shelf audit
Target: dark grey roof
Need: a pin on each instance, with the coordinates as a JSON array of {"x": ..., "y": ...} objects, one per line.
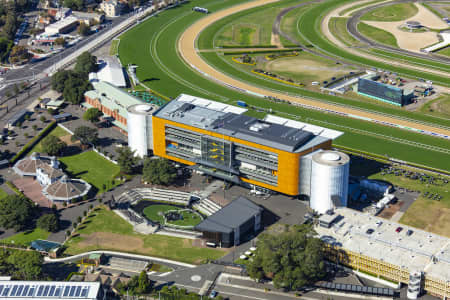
[
  {"x": 230, "y": 217},
  {"x": 62, "y": 116},
  {"x": 17, "y": 116},
  {"x": 239, "y": 126}
]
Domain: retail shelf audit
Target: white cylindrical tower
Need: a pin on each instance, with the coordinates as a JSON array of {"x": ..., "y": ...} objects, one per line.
[
  {"x": 329, "y": 180},
  {"x": 139, "y": 123}
]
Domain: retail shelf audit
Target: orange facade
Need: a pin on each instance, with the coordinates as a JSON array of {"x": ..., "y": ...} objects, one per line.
[{"x": 288, "y": 162}]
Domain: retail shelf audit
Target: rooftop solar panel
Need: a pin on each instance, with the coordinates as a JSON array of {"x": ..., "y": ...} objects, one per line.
[
  {"x": 19, "y": 291},
  {"x": 52, "y": 290},
  {"x": 84, "y": 292},
  {"x": 57, "y": 291},
  {"x": 78, "y": 291},
  {"x": 25, "y": 290},
  {"x": 1, "y": 288},
  {"x": 5, "y": 291},
  {"x": 14, "y": 290},
  {"x": 45, "y": 293},
  {"x": 40, "y": 291},
  {"x": 31, "y": 291},
  {"x": 72, "y": 291},
  {"x": 66, "y": 291}
]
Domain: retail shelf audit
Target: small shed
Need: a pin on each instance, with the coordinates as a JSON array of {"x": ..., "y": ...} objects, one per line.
[
  {"x": 49, "y": 98},
  {"x": 52, "y": 248}
]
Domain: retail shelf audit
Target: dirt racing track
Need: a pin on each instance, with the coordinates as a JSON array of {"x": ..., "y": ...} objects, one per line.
[{"x": 187, "y": 49}]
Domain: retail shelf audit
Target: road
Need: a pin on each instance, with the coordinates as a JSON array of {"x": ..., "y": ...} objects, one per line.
[
  {"x": 325, "y": 30},
  {"x": 188, "y": 52},
  {"x": 352, "y": 24},
  {"x": 42, "y": 69}
]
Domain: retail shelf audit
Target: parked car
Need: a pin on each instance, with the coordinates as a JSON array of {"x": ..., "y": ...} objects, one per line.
[
  {"x": 370, "y": 231},
  {"x": 213, "y": 294},
  {"x": 398, "y": 229},
  {"x": 409, "y": 232}
]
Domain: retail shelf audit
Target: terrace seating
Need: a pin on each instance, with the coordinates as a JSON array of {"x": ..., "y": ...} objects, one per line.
[
  {"x": 134, "y": 195},
  {"x": 207, "y": 207}
]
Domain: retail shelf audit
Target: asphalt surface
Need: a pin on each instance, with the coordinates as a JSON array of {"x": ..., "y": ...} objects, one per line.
[{"x": 352, "y": 25}]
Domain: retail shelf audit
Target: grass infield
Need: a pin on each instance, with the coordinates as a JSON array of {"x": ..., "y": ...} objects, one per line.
[
  {"x": 154, "y": 213},
  {"x": 391, "y": 13},
  {"x": 377, "y": 34}
]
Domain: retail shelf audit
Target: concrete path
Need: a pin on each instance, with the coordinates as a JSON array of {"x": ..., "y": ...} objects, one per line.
[{"x": 120, "y": 254}]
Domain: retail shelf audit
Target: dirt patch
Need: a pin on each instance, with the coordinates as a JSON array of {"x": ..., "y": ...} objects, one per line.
[
  {"x": 113, "y": 241},
  {"x": 67, "y": 139},
  {"x": 412, "y": 41},
  {"x": 299, "y": 65},
  {"x": 389, "y": 212},
  {"x": 275, "y": 40}
]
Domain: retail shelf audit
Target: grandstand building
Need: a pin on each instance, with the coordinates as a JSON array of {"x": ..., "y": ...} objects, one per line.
[
  {"x": 219, "y": 140},
  {"x": 112, "y": 101},
  {"x": 388, "y": 250},
  {"x": 369, "y": 86}
]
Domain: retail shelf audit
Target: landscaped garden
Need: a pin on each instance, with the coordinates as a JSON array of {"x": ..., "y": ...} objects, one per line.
[
  {"x": 172, "y": 215},
  {"x": 93, "y": 168},
  {"x": 57, "y": 131},
  {"x": 105, "y": 230}
]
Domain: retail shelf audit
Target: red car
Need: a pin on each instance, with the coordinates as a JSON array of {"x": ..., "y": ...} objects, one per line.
[{"x": 398, "y": 229}]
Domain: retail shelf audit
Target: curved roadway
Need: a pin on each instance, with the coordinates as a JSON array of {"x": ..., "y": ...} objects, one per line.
[
  {"x": 352, "y": 24},
  {"x": 187, "y": 49},
  {"x": 325, "y": 30}
]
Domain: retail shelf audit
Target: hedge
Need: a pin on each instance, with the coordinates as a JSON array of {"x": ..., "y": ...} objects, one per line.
[
  {"x": 33, "y": 142},
  {"x": 15, "y": 189},
  {"x": 256, "y": 46},
  {"x": 260, "y": 51}
]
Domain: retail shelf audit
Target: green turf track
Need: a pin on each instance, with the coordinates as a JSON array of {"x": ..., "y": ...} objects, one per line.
[
  {"x": 152, "y": 46},
  {"x": 205, "y": 41},
  {"x": 309, "y": 26}
]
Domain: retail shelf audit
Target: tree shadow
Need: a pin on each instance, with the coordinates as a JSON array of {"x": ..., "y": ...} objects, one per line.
[{"x": 151, "y": 79}]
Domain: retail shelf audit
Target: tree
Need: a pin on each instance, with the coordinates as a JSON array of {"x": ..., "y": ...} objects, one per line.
[
  {"x": 126, "y": 160},
  {"x": 16, "y": 212},
  {"x": 19, "y": 53},
  {"x": 74, "y": 4},
  {"x": 43, "y": 119},
  {"x": 26, "y": 265},
  {"x": 86, "y": 63},
  {"x": 86, "y": 135},
  {"x": 84, "y": 29},
  {"x": 34, "y": 127},
  {"x": 48, "y": 222},
  {"x": 92, "y": 114},
  {"x": 71, "y": 84},
  {"x": 52, "y": 145},
  {"x": 5, "y": 47},
  {"x": 159, "y": 171},
  {"x": 293, "y": 258},
  {"x": 60, "y": 41},
  {"x": 144, "y": 283}
]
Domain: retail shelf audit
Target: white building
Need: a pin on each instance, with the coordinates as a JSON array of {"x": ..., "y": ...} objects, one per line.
[
  {"x": 62, "y": 26},
  {"x": 139, "y": 123},
  {"x": 111, "y": 8},
  {"x": 111, "y": 71}
]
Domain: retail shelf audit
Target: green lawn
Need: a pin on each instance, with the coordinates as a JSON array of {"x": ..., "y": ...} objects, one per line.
[
  {"x": 445, "y": 51},
  {"x": 3, "y": 194},
  {"x": 377, "y": 34},
  {"x": 391, "y": 13},
  {"x": 338, "y": 27},
  {"x": 353, "y": 8},
  {"x": 93, "y": 168},
  {"x": 438, "y": 107},
  {"x": 57, "y": 131},
  {"x": 113, "y": 49},
  {"x": 289, "y": 23},
  {"x": 189, "y": 218},
  {"x": 25, "y": 238},
  {"x": 106, "y": 230}
]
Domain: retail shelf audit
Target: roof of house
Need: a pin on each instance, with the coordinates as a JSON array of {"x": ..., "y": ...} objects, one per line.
[
  {"x": 56, "y": 103},
  {"x": 44, "y": 245},
  {"x": 28, "y": 166},
  {"x": 66, "y": 189},
  {"x": 112, "y": 97},
  {"x": 230, "y": 217}
]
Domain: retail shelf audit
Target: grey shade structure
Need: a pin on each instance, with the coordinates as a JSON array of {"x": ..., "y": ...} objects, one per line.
[
  {"x": 233, "y": 223},
  {"x": 49, "y": 290}
]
